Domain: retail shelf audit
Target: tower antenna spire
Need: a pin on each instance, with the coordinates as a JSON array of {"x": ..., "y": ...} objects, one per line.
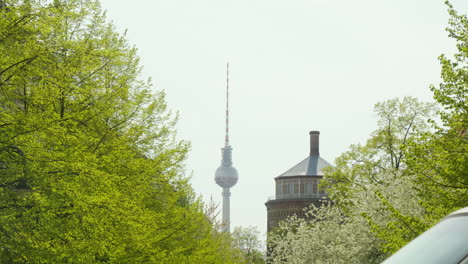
[
  {"x": 226, "y": 140},
  {"x": 226, "y": 175}
]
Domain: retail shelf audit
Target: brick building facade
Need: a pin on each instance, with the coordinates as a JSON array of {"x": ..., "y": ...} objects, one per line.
[{"x": 298, "y": 187}]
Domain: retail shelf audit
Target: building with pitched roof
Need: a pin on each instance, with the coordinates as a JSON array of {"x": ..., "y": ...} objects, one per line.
[{"x": 298, "y": 187}]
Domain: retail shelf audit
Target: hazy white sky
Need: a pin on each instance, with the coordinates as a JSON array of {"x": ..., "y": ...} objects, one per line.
[{"x": 295, "y": 66}]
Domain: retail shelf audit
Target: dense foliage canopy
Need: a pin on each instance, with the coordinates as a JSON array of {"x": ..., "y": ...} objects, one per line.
[{"x": 90, "y": 170}]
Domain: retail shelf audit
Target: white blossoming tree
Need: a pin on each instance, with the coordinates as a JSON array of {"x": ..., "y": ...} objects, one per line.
[{"x": 371, "y": 194}]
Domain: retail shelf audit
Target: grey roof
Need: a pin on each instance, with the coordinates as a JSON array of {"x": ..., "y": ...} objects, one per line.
[{"x": 311, "y": 166}]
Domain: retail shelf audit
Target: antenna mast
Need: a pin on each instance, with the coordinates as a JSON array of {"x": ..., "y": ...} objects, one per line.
[{"x": 226, "y": 140}]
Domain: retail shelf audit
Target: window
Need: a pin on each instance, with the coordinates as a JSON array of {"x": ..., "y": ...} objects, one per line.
[{"x": 314, "y": 186}]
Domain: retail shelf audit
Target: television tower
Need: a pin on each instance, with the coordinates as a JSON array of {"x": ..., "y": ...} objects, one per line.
[{"x": 226, "y": 175}]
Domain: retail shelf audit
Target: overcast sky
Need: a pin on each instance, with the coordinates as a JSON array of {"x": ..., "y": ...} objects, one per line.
[{"x": 295, "y": 66}]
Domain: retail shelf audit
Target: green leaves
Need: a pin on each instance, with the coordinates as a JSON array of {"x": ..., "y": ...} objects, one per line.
[
  {"x": 452, "y": 93},
  {"x": 246, "y": 239},
  {"x": 440, "y": 159},
  {"x": 399, "y": 121},
  {"x": 90, "y": 170}
]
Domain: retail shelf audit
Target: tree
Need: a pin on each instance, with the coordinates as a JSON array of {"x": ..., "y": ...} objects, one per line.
[
  {"x": 373, "y": 208},
  {"x": 441, "y": 163},
  {"x": 437, "y": 158},
  {"x": 399, "y": 120},
  {"x": 373, "y": 173},
  {"x": 329, "y": 236},
  {"x": 247, "y": 240},
  {"x": 90, "y": 170}
]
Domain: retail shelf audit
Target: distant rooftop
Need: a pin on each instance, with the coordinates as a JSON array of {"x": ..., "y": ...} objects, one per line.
[{"x": 312, "y": 165}]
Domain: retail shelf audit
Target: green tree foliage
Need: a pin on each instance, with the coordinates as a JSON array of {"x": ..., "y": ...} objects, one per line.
[
  {"x": 374, "y": 171},
  {"x": 398, "y": 121},
  {"x": 440, "y": 159},
  {"x": 90, "y": 171},
  {"x": 436, "y": 159},
  {"x": 247, "y": 240}
]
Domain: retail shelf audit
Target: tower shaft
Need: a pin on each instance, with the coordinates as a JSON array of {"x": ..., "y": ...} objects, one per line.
[{"x": 226, "y": 210}]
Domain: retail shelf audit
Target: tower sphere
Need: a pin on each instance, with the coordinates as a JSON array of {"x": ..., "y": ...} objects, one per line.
[{"x": 226, "y": 176}]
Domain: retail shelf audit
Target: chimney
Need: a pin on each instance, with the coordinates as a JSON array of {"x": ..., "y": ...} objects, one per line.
[{"x": 314, "y": 143}]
